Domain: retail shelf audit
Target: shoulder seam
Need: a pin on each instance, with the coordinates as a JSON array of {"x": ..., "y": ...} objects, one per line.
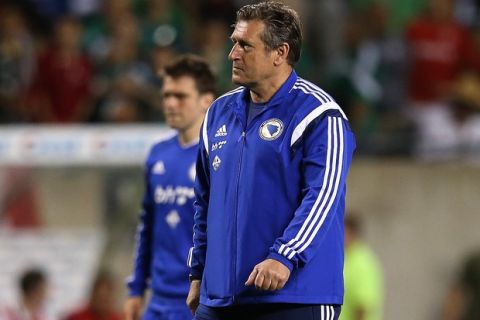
[
  {"x": 315, "y": 113},
  {"x": 229, "y": 93},
  {"x": 320, "y": 94},
  {"x": 311, "y": 89}
]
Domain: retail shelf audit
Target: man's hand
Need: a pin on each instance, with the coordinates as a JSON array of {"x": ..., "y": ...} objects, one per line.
[
  {"x": 133, "y": 308},
  {"x": 193, "y": 298},
  {"x": 270, "y": 275}
]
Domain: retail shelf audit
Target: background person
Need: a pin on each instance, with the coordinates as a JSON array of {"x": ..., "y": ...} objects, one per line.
[
  {"x": 101, "y": 303},
  {"x": 363, "y": 276},
  {"x": 33, "y": 285},
  {"x": 166, "y": 222}
]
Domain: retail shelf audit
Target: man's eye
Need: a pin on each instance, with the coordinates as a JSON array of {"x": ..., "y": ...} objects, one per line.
[
  {"x": 179, "y": 96},
  {"x": 246, "y": 46}
]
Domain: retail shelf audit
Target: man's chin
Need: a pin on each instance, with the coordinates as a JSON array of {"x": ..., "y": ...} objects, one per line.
[
  {"x": 172, "y": 123},
  {"x": 238, "y": 81}
]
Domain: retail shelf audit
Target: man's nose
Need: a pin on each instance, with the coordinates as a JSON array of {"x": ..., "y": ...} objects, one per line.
[
  {"x": 170, "y": 102},
  {"x": 233, "y": 55}
]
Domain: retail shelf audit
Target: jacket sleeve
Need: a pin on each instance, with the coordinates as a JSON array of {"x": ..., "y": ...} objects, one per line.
[
  {"x": 138, "y": 281},
  {"x": 196, "y": 258},
  {"x": 328, "y": 145}
]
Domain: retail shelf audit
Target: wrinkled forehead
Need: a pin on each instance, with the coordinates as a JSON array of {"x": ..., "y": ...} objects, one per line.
[
  {"x": 248, "y": 29},
  {"x": 241, "y": 26}
]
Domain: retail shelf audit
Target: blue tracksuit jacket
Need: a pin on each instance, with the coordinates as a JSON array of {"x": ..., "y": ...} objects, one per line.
[
  {"x": 164, "y": 233},
  {"x": 273, "y": 189}
]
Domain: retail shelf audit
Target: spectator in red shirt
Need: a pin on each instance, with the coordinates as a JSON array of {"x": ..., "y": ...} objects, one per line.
[
  {"x": 19, "y": 199},
  {"x": 61, "y": 89},
  {"x": 440, "y": 50},
  {"x": 101, "y": 304}
]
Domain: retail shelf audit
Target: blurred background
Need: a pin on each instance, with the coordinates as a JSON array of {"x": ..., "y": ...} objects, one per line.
[{"x": 80, "y": 105}]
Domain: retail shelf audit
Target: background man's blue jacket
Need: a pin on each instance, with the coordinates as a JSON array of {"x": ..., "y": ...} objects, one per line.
[{"x": 164, "y": 233}]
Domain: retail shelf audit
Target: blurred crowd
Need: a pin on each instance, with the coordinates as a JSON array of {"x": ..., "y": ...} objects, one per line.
[
  {"x": 34, "y": 286},
  {"x": 405, "y": 72}
]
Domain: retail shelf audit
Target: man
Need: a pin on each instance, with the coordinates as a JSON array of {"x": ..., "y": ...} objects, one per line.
[
  {"x": 33, "y": 285},
  {"x": 101, "y": 303},
  {"x": 440, "y": 48},
  {"x": 166, "y": 222},
  {"x": 463, "y": 299},
  {"x": 270, "y": 190},
  {"x": 61, "y": 89},
  {"x": 363, "y": 276}
]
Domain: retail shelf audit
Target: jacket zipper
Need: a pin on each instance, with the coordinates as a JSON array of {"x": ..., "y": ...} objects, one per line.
[{"x": 234, "y": 260}]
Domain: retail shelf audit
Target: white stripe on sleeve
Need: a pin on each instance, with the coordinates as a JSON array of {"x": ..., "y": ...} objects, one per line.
[
  {"x": 204, "y": 131},
  {"x": 320, "y": 196},
  {"x": 327, "y": 194},
  {"x": 334, "y": 192},
  {"x": 302, "y": 125},
  {"x": 189, "y": 260}
]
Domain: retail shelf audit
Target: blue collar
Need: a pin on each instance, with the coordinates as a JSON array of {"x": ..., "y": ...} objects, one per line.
[
  {"x": 278, "y": 96},
  {"x": 276, "y": 99}
]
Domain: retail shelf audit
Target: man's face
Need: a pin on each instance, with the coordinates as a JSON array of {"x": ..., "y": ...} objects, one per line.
[
  {"x": 252, "y": 62},
  {"x": 39, "y": 295},
  {"x": 103, "y": 297},
  {"x": 183, "y": 105}
]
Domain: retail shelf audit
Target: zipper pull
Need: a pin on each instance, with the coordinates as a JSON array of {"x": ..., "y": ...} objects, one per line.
[{"x": 242, "y": 136}]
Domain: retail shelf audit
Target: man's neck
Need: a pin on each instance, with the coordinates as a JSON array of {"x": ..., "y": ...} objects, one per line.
[
  {"x": 264, "y": 91},
  {"x": 32, "y": 306},
  {"x": 189, "y": 136}
]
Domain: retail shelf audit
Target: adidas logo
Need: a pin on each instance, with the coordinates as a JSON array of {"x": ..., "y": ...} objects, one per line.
[{"x": 221, "y": 132}]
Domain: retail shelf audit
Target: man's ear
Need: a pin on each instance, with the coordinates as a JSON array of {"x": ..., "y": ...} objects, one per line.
[
  {"x": 206, "y": 99},
  {"x": 281, "y": 54}
]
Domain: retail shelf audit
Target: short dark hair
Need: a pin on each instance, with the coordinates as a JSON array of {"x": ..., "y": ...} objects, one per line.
[
  {"x": 195, "y": 67},
  {"x": 31, "y": 280},
  {"x": 282, "y": 24}
]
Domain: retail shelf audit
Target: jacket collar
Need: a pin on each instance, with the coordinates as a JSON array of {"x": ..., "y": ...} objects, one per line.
[{"x": 277, "y": 98}]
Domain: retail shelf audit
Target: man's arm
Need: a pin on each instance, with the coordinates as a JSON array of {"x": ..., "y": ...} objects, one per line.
[
  {"x": 269, "y": 275},
  {"x": 327, "y": 151},
  {"x": 461, "y": 291},
  {"x": 196, "y": 259},
  {"x": 133, "y": 308},
  {"x": 193, "y": 298},
  {"x": 454, "y": 303},
  {"x": 137, "y": 282}
]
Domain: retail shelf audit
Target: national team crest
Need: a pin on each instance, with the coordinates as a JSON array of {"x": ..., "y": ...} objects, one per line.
[
  {"x": 216, "y": 163},
  {"x": 271, "y": 129}
]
